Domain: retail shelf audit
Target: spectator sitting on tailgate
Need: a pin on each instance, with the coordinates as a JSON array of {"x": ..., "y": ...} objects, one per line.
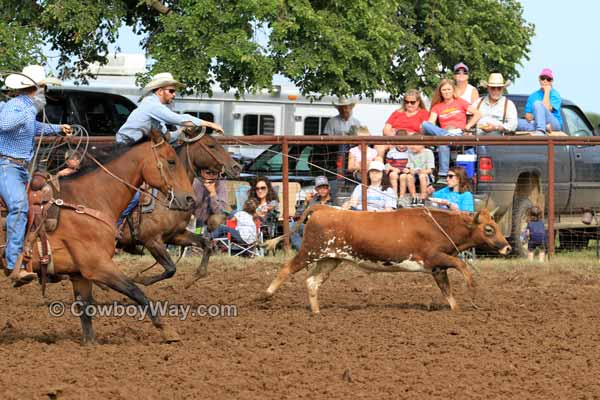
[
  {"x": 451, "y": 114},
  {"x": 464, "y": 90},
  {"x": 396, "y": 159},
  {"x": 498, "y": 113},
  {"x": 420, "y": 166},
  {"x": 405, "y": 121},
  {"x": 322, "y": 196},
  {"x": 354, "y": 157},
  {"x": 457, "y": 195},
  {"x": 542, "y": 110},
  {"x": 380, "y": 196}
]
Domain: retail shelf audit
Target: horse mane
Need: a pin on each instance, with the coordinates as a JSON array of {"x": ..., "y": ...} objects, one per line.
[{"x": 104, "y": 156}]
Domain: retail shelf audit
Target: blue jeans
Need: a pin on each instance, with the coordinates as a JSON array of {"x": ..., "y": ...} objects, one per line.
[
  {"x": 130, "y": 207},
  {"x": 541, "y": 118},
  {"x": 13, "y": 182},
  {"x": 223, "y": 230},
  {"x": 443, "y": 150},
  {"x": 296, "y": 238}
]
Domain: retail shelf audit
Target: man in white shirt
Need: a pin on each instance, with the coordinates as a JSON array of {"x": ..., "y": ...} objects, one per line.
[{"x": 498, "y": 114}]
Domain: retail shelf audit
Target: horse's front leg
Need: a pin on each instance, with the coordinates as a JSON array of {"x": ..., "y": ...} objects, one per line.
[
  {"x": 188, "y": 238},
  {"x": 159, "y": 251}
]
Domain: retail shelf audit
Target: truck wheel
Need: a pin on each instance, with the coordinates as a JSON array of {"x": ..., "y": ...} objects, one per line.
[{"x": 520, "y": 217}]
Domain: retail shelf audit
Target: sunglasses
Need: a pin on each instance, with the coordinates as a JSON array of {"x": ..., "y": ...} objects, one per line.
[
  {"x": 546, "y": 78},
  {"x": 172, "y": 91},
  {"x": 211, "y": 172},
  {"x": 461, "y": 72},
  {"x": 451, "y": 176},
  {"x": 410, "y": 101},
  {"x": 261, "y": 188}
]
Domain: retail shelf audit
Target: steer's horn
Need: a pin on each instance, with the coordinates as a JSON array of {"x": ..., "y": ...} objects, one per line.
[{"x": 494, "y": 211}]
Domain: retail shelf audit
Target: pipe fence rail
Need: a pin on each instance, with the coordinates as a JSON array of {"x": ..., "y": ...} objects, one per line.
[{"x": 363, "y": 141}]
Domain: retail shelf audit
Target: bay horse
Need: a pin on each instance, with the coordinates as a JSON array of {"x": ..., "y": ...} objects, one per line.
[
  {"x": 163, "y": 226},
  {"x": 83, "y": 243}
]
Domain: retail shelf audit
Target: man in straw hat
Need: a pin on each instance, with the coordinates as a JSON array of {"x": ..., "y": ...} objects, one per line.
[
  {"x": 154, "y": 111},
  {"x": 498, "y": 113},
  {"x": 342, "y": 123},
  {"x": 18, "y": 127}
]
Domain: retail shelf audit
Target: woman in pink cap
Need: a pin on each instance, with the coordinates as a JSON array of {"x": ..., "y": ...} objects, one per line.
[
  {"x": 464, "y": 89},
  {"x": 542, "y": 111}
]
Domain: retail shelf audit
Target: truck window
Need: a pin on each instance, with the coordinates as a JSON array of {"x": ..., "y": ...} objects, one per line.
[
  {"x": 314, "y": 125},
  {"x": 56, "y": 109},
  {"x": 122, "y": 108},
  {"x": 255, "y": 124},
  {"x": 95, "y": 113},
  {"x": 576, "y": 124}
]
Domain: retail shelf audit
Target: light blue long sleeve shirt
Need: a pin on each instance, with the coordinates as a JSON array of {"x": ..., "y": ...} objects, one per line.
[
  {"x": 151, "y": 113},
  {"x": 18, "y": 128}
]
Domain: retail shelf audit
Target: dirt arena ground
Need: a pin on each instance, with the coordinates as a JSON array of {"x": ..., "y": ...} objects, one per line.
[{"x": 533, "y": 334}]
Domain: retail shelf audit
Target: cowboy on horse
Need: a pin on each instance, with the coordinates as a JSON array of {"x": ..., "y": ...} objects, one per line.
[
  {"x": 155, "y": 112},
  {"x": 18, "y": 128}
]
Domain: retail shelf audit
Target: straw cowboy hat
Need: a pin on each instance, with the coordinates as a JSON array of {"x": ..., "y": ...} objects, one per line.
[
  {"x": 161, "y": 80},
  {"x": 32, "y": 75},
  {"x": 495, "y": 80},
  {"x": 344, "y": 101}
]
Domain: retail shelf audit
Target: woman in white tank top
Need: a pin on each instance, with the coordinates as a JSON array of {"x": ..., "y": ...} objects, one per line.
[{"x": 463, "y": 89}]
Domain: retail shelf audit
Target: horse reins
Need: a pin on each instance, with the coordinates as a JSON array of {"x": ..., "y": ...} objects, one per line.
[{"x": 159, "y": 165}]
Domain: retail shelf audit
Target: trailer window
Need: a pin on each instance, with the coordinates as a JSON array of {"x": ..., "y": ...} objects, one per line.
[
  {"x": 204, "y": 116},
  {"x": 255, "y": 124},
  {"x": 314, "y": 125}
]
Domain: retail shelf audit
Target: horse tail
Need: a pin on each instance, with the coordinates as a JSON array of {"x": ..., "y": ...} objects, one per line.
[{"x": 271, "y": 244}]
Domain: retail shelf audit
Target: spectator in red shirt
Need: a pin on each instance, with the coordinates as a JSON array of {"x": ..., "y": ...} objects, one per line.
[
  {"x": 406, "y": 120},
  {"x": 450, "y": 113}
]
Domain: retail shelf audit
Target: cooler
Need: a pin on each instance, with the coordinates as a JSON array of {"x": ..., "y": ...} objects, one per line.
[{"x": 467, "y": 161}]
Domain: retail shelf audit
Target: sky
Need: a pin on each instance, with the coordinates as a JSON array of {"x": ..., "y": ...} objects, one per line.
[{"x": 565, "y": 41}]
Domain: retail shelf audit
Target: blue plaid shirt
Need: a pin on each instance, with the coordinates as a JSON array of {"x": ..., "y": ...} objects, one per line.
[
  {"x": 151, "y": 113},
  {"x": 18, "y": 128}
]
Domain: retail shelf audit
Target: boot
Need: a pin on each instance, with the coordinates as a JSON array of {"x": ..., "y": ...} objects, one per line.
[{"x": 22, "y": 278}]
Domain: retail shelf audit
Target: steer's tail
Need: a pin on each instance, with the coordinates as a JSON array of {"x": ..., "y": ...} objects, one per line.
[{"x": 271, "y": 244}]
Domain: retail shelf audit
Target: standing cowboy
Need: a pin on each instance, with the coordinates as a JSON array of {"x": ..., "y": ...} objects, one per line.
[
  {"x": 155, "y": 111},
  {"x": 18, "y": 128}
]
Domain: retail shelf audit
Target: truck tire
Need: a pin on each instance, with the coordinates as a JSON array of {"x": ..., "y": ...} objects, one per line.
[{"x": 520, "y": 217}]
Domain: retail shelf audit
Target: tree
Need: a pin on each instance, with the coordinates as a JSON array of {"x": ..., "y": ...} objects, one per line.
[
  {"x": 594, "y": 119},
  {"x": 323, "y": 46}
]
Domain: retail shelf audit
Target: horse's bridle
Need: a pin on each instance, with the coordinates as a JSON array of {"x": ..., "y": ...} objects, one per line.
[{"x": 188, "y": 141}]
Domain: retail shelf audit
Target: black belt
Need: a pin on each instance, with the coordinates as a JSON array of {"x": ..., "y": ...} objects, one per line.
[{"x": 18, "y": 161}]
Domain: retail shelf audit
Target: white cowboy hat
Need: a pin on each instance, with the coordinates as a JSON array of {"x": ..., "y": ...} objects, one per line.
[
  {"x": 32, "y": 75},
  {"x": 161, "y": 80},
  {"x": 344, "y": 101},
  {"x": 495, "y": 80}
]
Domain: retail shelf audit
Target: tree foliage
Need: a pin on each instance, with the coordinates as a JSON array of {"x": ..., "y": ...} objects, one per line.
[{"x": 323, "y": 46}]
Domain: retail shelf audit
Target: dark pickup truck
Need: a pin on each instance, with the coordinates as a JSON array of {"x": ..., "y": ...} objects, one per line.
[{"x": 515, "y": 178}]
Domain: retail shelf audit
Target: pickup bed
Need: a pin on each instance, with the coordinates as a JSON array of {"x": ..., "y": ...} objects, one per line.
[{"x": 514, "y": 179}]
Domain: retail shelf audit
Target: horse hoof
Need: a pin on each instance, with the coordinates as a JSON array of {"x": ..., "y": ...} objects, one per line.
[
  {"x": 264, "y": 297},
  {"x": 170, "y": 335},
  {"x": 88, "y": 342}
]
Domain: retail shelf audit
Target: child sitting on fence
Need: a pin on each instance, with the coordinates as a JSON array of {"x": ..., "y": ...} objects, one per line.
[{"x": 536, "y": 233}]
